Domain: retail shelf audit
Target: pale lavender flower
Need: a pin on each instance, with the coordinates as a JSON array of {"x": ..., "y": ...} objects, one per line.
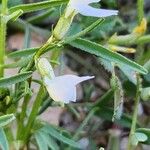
[
  {"x": 83, "y": 7},
  {"x": 61, "y": 88}
]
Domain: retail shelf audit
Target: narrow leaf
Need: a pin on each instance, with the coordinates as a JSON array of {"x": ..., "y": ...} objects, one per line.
[
  {"x": 106, "y": 64},
  {"x": 50, "y": 141},
  {"x": 15, "y": 79},
  {"x": 6, "y": 119},
  {"x": 101, "y": 51},
  {"x": 40, "y": 16},
  {"x": 37, "y": 6},
  {"x": 54, "y": 133},
  {"x": 3, "y": 140},
  {"x": 23, "y": 52},
  {"x": 128, "y": 72},
  {"x": 40, "y": 141},
  {"x": 15, "y": 15},
  {"x": 20, "y": 63}
]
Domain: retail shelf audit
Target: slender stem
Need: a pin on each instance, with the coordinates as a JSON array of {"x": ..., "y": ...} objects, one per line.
[
  {"x": 2, "y": 36},
  {"x": 135, "y": 114},
  {"x": 140, "y": 9},
  {"x": 84, "y": 123},
  {"x": 4, "y": 7},
  {"x": 32, "y": 117},
  {"x": 22, "y": 116},
  {"x": 104, "y": 99},
  {"x": 143, "y": 40}
]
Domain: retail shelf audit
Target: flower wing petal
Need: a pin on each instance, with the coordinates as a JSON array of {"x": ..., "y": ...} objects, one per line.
[{"x": 95, "y": 12}]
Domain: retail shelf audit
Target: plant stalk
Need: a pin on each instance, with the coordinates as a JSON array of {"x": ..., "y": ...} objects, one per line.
[
  {"x": 3, "y": 26},
  {"x": 140, "y": 9},
  {"x": 26, "y": 132},
  {"x": 135, "y": 114}
]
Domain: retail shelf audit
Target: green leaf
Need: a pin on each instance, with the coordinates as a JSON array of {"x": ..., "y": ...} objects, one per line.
[
  {"x": 6, "y": 119},
  {"x": 138, "y": 137},
  {"x": 40, "y": 141},
  {"x": 15, "y": 79},
  {"x": 44, "y": 141},
  {"x": 20, "y": 63},
  {"x": 146, "y": 131},
  {"x": 106, "y": 64},
  {"x": 23, "y": 52},
  {"x": 50, "y": 141},
  {"x": 54, "y": 133},
  {"x": 40, "y": 16},
  {"x": 15, "y": 15},
  {"x": 129, "y": 73},
  {"x": 3, "y": 140},
  {"x": 101, "y": 51},
  {"x": 37, "y": 6}
]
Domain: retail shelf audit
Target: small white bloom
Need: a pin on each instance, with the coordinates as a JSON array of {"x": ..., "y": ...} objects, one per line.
[
  {"x": 61, "y": 88},
  {"x": 83, "y": 7}
]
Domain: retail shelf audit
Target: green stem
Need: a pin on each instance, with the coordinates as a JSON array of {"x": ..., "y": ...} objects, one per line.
[
  {"x": 22, "y": 116},
  {"x": 104, "y": 99},
  {"x": 2, "y": 36},
  {"x": 135, "y": 114},
  {"x": 84, "y": 123},
  {"x": 143, "y": 40},
  {"x": 33, "y": 114},
  {"x": 140, "y": 9}
]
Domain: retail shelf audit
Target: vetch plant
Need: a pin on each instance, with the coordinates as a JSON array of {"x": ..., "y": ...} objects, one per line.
[{"x": 83, "y": 36}]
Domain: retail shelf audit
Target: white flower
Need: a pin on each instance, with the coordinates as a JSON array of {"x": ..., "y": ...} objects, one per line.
[
  {"x": 61, "y": 88},
  {"x": 83, "y": 7}
]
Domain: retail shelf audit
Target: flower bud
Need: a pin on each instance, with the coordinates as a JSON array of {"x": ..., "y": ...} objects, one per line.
[
  {"x": 62, "y": 27},
  {"x": 45, "y": 68}
]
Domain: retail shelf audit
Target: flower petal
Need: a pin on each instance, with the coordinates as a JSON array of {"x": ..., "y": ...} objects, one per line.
[
  {"x": 72, "y": 79},
  {"x": 95, "y": 12},
  {"x": 63, "y": 88},
  {"x": 92, "y": 1}
]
